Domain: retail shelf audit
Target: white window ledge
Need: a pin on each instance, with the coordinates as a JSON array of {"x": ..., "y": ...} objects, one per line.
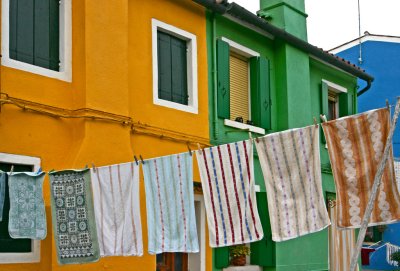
[
  {"x": 245, "y": 127},
  {"x": 243, "y": 268}
]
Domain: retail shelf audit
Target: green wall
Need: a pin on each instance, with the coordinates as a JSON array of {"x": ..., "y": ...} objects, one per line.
[{"x": 295, "y": 80}]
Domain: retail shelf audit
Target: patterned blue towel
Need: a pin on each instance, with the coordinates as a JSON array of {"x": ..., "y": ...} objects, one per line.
[
  {"x": 171, "y": 218},
  {"x": 2, "y": 192},
  {"x": 27, "y": 214}
]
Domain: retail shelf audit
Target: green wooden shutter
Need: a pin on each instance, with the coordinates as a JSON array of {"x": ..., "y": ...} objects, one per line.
[
  {"x": 324, "y": 106},
  {"x": 179, "y": 71},
  {"x": 8, "y": 244},
  {"x": 260, "y": 92},
  {"x": 164, "y": 66},
  {"x": 223, "y": 101},
  {"x": 263, "y": 251},
  {"x": 346, "y": 104},
  {"x": 221, "y": 257},
  {"x": 34, "y": 32}
]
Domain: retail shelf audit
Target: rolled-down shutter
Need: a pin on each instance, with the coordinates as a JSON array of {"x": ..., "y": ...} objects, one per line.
[
  {"x": 223, "y": 100},
  {"x": 260, "y": 92},
  {"x": 34, "y": 32}
]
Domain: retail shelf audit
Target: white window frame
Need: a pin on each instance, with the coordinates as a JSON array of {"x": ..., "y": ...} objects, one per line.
[
  {"x": 65, "y": 33},
  {"x": 247, "y": 53},
  {"x": 337, "y": 89},
  {"x": 29, "y": 257},
  {"x": 192, "y": 80},
  {"x": 196, "y": 260}
]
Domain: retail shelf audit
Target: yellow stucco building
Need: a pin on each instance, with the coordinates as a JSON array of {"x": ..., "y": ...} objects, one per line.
[{"x": 99, "y": 100}]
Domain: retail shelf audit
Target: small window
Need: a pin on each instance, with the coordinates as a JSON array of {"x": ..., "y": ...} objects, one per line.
[
  {"x": 36, "y": 37},
  {"x": 16, "y": 250},
  {"x": 333, "y": 105},
  {"x": 243, "y": 87},
  {"x": 174, "y": 67},
  {"x": 172, "y": 262}
]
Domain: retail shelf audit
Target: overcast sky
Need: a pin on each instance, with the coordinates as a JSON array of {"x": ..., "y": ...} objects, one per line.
[{"x": 334, "y": 22}]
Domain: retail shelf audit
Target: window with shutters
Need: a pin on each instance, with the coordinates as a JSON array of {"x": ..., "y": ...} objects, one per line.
[
  {"x": 16, "y": 250},
  {"x": 174, "y": 67},
  {"x": 36, "y": 37},
  {"x": 336, "y": 102},
  {"x": 243, "y": 87}
]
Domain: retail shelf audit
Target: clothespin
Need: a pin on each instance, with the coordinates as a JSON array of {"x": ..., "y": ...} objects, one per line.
[
  {"x": 39, "y": 170},
  {"x": 11, "y": 170},
  {"x": 136, "y": 160},
  {"x": 141, "y": 159},
  {"x": 315, "y": 122},
  {"x": 387, "y": 104},
  {"x": 323, "y": 118},
  {"x": 190, "y": 151},
  {"x": 200, "y": 150},
  {"x": 250, "y": 136},
  {"x": 94, "y": 168}
]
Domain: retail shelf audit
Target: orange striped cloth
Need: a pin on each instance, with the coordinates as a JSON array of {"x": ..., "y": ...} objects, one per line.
[{"x": 355, "y": 146}]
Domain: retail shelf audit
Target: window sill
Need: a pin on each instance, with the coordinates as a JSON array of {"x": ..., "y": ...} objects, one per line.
[
  {"x": 243, "y": 268},
  {"x": 243, "y": 126}
]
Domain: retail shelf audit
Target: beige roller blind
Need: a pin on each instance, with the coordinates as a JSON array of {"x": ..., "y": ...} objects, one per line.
[{"x": 239, "y": 87}]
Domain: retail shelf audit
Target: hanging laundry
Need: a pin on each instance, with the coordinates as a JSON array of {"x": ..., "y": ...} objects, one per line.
[
  {"x": 355, "y": 145},
  {"x": 171, "y": 217},
  {"x": 341, "y": 243},
  {"x": 390, "y": 249},
  {"x": 117, "y": 209},
  {"x": 291, "y": 166},
  {"x": 73, "y": 216},
  {"x": 397, "y": 173},
  {"x": 27, "y": 216},
  {"x": 228, "y": 185},
  {"x": 2, "y": 192}
]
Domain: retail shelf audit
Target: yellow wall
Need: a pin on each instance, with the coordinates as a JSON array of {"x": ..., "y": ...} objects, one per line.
[{"x": 112, "y": 71}]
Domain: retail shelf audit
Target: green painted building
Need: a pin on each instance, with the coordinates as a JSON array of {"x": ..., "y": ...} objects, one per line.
[{"x": 264, "y": 78}]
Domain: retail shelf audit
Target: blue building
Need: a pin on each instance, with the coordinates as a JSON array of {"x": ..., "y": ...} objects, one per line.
[{"x": 378, "y": 55}]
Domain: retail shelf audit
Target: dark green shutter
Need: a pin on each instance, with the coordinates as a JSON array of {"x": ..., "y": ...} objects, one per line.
[
  {"x": 34, "y": 32},
  {"x": 346, "y": 104},
  {"x": 221, "y": 257},
  {"x": 8, "y": 244},
  {"x": 223, "y": 102},
  {"x": 263, "y": 251},
  {"x": 324, "y": 106},
  {"x": 172, "y": 69},
  {"x": 260, "y": 92}
]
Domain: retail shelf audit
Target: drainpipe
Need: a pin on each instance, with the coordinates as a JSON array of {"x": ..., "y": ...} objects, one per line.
[
  {"x": 364, "y": 89},
  {"x": 214, "y": 75}
]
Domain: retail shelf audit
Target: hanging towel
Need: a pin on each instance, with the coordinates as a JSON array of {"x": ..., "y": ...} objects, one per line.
[
  {"x": 171, "y": 217},
  {"x": 291, "y": 167},
  {"x": 390, "y": 249},
  {"x": 117, "y": 209},
  {"x": 355, "y": 145},
  {"x": 227, "y": 179},
  {"x": 2, "y": 192},
  {"x": 341, "y": 243},
  {"x": 74, "y": 225},
  {"x": 27, "y": 216},
  {"x": 397, "y": 173}
]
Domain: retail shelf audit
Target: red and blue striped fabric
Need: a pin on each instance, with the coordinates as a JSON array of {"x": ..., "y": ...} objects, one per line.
[{"x": 228, "y": 187}]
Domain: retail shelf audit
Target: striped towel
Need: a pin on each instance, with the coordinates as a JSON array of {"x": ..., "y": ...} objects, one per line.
[
  {"x": 356, "y": 145},
  {"x": 291, "y": 166},
  {"x": 27, "y": 217},
  {"x": 74, "y": 224},
  {"x": 228, "y": 185},
  {"x": 171, "y": 217},
  {"x": 390, "y": 249},
  {"x": 341, "y": 244},
  {"x": 2, "y": 192},
  {"x": 117, "y": 209}
]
